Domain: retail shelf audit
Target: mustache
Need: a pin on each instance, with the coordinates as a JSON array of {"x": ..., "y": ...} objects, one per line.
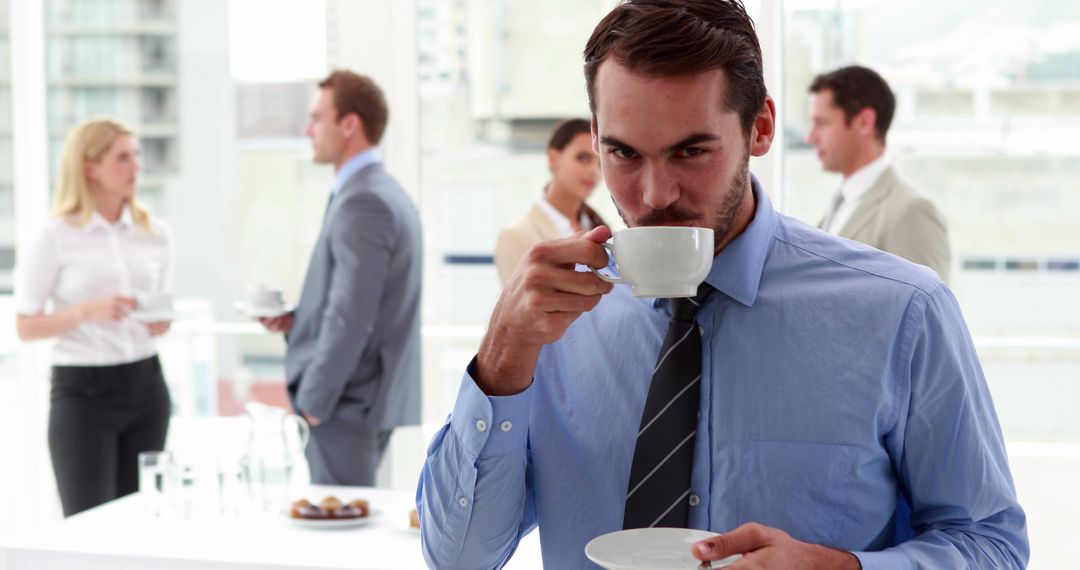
[{"x": 668, "y": 216}]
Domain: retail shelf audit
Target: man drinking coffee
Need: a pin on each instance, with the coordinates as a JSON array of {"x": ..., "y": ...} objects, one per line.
[{"x": 817, "y": 402}]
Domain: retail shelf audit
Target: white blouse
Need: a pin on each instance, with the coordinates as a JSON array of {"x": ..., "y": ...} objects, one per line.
[
  {"x": 560, "y": 221},
  {"x": 69, "y": 265}
]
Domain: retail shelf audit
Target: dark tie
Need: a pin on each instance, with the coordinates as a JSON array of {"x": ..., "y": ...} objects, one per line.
[
  {"x": 659, "y": 488},
  {"x": 329, "y": 201},
  {"x": 838, "y": 200}
]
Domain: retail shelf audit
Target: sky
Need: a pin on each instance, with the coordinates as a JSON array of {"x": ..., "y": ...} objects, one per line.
[{"x": 277, "y": 40}]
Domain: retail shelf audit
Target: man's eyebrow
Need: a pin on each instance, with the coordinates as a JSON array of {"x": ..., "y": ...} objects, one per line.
[
  {"x": 612, "y": 141},
  {"x": 693, "y": 140},
  {"x": 688, "y": 141}
]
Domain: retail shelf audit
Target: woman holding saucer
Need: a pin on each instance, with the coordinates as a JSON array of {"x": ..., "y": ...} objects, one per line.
[
  {"x": 78, "y": 284},
  {"x": 561, "y": 211}
]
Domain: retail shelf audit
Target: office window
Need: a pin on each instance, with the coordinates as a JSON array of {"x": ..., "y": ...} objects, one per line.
[
  {"x": 116, "y": 58},
  {"x": 7, "y": 194},
  {"x": 987, "y": 130}
]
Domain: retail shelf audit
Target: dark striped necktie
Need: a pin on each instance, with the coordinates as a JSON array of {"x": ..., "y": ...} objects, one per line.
[{"x": 659, "y": 488}]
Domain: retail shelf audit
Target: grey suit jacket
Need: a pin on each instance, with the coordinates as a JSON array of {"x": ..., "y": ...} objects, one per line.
[
  {"x": 354, "y": 347},
  {"x": 892, "y": 216}
]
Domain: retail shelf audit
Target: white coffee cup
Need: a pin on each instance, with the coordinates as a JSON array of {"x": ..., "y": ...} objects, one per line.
[
  {"x": 263, "y": 297},
  {"x": 661, "y": 261}
]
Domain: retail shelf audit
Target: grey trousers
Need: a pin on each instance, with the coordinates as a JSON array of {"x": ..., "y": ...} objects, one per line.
[
  {"x": 100, "y": 419},
  {"x": 343, "y": 451}
]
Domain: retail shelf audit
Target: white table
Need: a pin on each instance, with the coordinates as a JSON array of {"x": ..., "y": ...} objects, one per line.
[{"x": 119, "y": 536}]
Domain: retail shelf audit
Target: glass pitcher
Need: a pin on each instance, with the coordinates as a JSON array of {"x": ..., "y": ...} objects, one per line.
[{"x": 274, "y": 464}]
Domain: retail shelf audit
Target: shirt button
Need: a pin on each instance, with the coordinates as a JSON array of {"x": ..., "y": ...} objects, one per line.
[
  {"x": 463, "y": 502},
  {"x": 695, "y": 500},
  {"x": 506, "y": 426},
  {"x": 481, "y": 425}
]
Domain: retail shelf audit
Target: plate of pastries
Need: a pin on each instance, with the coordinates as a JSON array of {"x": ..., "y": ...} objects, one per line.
[{"x": 331, "y": 512}]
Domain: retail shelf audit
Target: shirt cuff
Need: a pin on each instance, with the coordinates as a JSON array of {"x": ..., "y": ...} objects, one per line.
[
  {"x": 490, "y": 426},
  {"x": 884, "y": 560}
]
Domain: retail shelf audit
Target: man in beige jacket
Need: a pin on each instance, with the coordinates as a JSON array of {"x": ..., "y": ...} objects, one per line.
[{"x": 850, "y": 111}]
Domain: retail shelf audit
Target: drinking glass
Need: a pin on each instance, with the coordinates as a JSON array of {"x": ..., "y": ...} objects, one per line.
[{"x": 155, "y": 476}]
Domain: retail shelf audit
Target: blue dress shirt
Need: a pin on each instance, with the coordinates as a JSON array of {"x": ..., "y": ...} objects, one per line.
[
  {"x": 354, "y": 165},
  {"x": 846, "y": 406}
]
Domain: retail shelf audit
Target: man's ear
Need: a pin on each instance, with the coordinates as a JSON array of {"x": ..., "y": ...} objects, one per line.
[
  {"x": 764, "y": 128},
  {"x": 865, "y": 122},
  {"x": 352, "y": 124}
]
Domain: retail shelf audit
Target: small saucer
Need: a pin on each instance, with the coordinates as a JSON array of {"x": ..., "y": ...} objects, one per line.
[
  {"x": 157, "y": 316},
  {"x": 651, "y": 549},
  {"x": 256, "y": 312}
]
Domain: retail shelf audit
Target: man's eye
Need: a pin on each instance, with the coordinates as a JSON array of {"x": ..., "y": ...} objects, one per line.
[
  {"x": 690, "y": 152},
  {"x": 623, "y": 153}
]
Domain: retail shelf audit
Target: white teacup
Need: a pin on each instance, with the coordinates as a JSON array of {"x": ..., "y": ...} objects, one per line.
[
  {"x": 263, "y": 297},
  {"x": 154, "y": 302},
  {"x": 661, "y": 261}
]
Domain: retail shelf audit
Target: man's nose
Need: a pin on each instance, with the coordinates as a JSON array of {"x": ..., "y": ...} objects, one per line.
[{"x": 659, "y": 189}]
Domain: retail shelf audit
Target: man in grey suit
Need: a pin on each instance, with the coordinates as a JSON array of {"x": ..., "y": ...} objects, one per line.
[
  {"x": 850, "y": 111},
  {"x": 353, "y": 358}
]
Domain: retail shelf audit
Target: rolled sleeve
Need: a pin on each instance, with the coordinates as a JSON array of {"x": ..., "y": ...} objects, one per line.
[{"x": 35, "y": 275}]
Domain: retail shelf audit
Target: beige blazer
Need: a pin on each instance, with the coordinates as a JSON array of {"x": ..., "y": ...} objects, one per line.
[
  {"x": 515, "y": 240},
  {"x": 892, "y": 216}
]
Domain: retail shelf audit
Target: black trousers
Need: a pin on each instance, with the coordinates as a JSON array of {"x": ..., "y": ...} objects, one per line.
[{"x": 100, "y": 419}]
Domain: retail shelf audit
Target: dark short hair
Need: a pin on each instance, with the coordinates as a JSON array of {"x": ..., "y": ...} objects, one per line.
[
  {"x": 566, "y": 131},
  {"x": 355, "y": 93},
  {"x": 670, "y": 38},
  {"x": 855, "y": 88}
]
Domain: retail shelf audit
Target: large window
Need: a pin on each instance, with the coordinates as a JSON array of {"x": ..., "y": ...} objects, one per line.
[
  {"x": 116, "y": 58},
  {"x": 7, "y": 194},
  {"x": 986, "y": 129}
]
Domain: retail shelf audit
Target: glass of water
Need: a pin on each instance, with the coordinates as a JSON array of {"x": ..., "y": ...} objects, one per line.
[{"x": 155, "y": 473}]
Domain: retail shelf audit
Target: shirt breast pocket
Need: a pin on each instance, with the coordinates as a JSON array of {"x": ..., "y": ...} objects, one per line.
[{"x": 801, "y": 488}]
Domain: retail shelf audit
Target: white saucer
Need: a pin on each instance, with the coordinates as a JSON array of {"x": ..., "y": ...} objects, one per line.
[
  {"x": 373, "y": 517},
  {"x": 249, "y": 310},
  {"x": 651, "y": 549},
  {"x": 155, "y": 316}
]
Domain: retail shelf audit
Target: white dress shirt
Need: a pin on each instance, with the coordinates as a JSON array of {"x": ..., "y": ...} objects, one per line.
[
  {"x": 69, "y": 265},
  {"x": 852, "y": 191},
  {"x": 560, "y": 221}
]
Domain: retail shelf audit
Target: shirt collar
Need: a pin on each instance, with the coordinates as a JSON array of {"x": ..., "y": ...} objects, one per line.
[
  {"x": 860, "y": 182},
  {"x": 559, "y": 220},
  {"x": 736, "y": 270},
  {"x": 354, "y": 165},
  {"x": 98, "y": 221}
]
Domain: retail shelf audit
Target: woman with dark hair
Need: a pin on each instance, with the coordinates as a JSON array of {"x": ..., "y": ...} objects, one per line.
[{"x": 561, "y": 211}]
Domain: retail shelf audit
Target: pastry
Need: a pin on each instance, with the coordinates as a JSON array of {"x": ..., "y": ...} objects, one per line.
[
  {"x": 330, "y": 508},
  {"x": 330, "y": 504}
]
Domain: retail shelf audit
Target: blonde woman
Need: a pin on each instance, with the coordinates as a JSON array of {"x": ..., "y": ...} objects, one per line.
[
  {"x": 561, "y": 211},
  {"x": 108, "y": 400}
]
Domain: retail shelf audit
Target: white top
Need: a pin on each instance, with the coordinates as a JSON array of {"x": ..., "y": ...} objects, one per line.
[
  {"x": 560, "y": 221},
  {"x": 69, "y": 265},
  {"x": 853, "y": 189}
]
